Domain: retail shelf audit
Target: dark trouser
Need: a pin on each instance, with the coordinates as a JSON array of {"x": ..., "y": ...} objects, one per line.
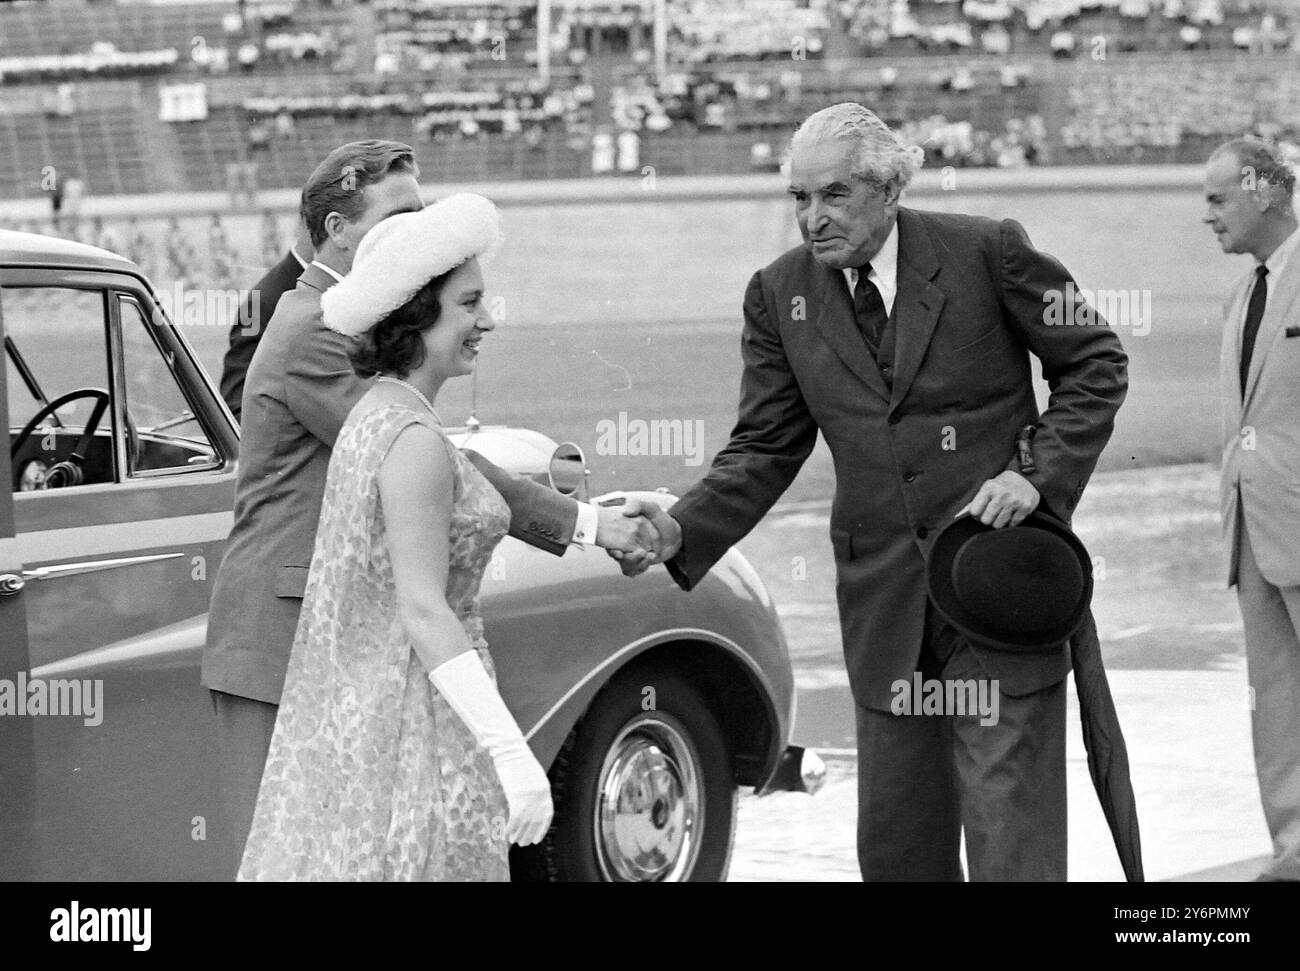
[
  {"x": 244, "y": 729},
  {"x": 923, "y": 779}
]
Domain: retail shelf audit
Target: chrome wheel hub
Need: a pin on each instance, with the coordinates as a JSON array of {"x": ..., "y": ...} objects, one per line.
[{"x": 650, "y": 803}]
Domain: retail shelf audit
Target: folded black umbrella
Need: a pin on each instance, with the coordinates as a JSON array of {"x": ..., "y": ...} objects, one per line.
[{"x": 1107, "y": 753}]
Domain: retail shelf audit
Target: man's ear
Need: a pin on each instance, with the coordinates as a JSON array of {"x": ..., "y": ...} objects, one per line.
[{"x": 336, "y": 225}]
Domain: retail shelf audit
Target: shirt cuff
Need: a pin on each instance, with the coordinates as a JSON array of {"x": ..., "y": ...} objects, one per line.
[{"x": 584, "y": 531}]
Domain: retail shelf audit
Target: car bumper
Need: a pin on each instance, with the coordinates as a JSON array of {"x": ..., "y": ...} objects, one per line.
[{"x": 799, "y": 770}]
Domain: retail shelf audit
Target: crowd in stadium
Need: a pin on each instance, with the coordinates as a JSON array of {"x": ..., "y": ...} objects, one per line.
[
  {"x": 1012, "y": 82},
  {"x": 996, "y": 26},
  {"x": 409, "y": 35}
]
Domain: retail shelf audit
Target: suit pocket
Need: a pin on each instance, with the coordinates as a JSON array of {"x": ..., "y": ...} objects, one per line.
[
  {"x": 291, "y": 581},
  {"x": 842, "y": 545},
  {"x": 972, "y": 351}
]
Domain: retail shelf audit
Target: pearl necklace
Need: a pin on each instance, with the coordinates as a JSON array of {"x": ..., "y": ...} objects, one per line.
[{"x": 415, "y": 391}]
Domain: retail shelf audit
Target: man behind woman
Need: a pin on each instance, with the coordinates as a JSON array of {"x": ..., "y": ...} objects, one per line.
[
  {"x": 374, "y": 772},
  {"x": 299, "y": 392}
]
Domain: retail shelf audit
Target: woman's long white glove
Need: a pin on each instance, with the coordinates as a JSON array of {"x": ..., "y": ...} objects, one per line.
[{"x": 464, "y": 682}]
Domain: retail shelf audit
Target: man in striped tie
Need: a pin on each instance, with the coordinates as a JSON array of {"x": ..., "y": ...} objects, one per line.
[{"x": 1248, "y": 192}]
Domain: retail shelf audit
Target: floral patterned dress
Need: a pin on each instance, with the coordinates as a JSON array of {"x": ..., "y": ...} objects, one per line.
[{"x": 371, "y": 775}]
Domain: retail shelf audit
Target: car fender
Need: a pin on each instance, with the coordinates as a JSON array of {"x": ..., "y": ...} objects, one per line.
[{"x": 725, "y": 633}]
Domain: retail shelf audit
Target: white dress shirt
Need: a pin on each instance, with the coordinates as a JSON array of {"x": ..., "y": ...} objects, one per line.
[
  {"x": 338, "y": 277},
  {"x": 884, "y": 270},
  {"x": 1275, "y": 262}
]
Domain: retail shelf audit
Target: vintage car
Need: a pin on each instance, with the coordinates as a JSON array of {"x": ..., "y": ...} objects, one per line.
[{"x": 649, "y": 706}]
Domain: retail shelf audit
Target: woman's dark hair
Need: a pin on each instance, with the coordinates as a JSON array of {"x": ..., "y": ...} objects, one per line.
[{"x": 394, "y": 345}]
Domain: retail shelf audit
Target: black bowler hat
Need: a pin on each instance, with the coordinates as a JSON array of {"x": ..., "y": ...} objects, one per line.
[{"x": 1018, "y": 588}]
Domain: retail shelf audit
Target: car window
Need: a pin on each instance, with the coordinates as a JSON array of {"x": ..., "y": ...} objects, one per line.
[
  {"x": 163, "y": 433},
  {"x": 57, "y": 345}
]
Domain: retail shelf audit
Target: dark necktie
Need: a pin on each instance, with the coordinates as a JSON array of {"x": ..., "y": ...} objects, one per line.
[
  {"x": 869, "y": 310},
  {"x": 1254, "y": 314}
]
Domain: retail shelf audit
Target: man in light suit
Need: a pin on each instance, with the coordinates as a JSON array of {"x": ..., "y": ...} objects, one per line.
[
  {"x": 297, "y": 395},
  {"x": 904, "y": 337},
  {"x": 1248, "y": 191}
]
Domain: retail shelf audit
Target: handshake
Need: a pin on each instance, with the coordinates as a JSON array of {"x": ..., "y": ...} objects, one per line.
[{"x": 638, "y": 534}]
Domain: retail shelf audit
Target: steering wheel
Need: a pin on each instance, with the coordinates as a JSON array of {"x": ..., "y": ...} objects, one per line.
[{"x": 68, "y": 472}]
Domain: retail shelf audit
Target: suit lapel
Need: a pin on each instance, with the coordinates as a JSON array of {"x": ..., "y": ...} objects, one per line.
[
  {"x": 1275, "y": 311},
  {"x": 917, "y": 303},
  {"x": 1230, "y": 353},
  {"x": 316, "y": 278},
  {"x": 838, "y": 327}
]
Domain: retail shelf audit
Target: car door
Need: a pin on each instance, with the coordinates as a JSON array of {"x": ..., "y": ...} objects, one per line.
[
  {"x": 118, "y": 568},
  {"x": 17, "y": 759}
]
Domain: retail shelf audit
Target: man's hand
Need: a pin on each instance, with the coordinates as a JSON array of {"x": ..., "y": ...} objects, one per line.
[
  {"x": 1004, "y": 500},
  {"x": 622, "y": 532},
  {"x": 667, "y": 532}
]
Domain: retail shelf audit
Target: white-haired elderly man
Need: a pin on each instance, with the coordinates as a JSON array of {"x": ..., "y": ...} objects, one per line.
[
  {"x": 1248, "y": 193},
  {"x": 904, "y": 337}
]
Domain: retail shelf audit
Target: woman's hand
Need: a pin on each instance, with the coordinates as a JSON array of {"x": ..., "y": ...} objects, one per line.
[
  {"x": 528, "y": 794},
  {"x": 464, "y": 683},
  {"x": 416, "y": 489}
]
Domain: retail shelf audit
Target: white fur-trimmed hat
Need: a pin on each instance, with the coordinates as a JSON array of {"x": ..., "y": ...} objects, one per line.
[{"x": 402, "y": 253}]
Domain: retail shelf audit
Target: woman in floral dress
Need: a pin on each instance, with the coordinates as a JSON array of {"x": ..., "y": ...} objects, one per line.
[{"x": 394, "y": 757}]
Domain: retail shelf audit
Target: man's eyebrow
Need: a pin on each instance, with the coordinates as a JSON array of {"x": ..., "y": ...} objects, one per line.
[{"x": 828, "y": 187}]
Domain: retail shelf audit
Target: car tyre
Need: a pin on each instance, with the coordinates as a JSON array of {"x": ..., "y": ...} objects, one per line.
[{"x": 643, "y": 792}]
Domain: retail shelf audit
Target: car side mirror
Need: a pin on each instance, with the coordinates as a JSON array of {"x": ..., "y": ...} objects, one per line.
[{"x": 568, "y": 469}]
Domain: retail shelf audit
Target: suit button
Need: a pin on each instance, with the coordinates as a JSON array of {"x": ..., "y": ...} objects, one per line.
[
  {"x": 884, "y": 367},
  {"x": 910, "y": 477},
  {"x": 922, "y": 532},
  {"x": 894, "y": 419}
]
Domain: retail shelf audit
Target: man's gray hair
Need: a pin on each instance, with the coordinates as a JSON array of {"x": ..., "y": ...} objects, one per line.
[
  {"x": 882, "y": 157},
  {"x": 1262, "y": 162}
]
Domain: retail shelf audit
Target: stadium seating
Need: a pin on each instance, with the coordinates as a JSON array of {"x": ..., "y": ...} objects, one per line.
[{"x": 1138, "y": 80}]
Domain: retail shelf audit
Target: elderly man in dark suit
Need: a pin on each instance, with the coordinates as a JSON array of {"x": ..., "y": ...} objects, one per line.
[
  {"x": 255, "y": 314},
  {"x": 298, "y": 393},
  {"x": 905, "y": 337}
]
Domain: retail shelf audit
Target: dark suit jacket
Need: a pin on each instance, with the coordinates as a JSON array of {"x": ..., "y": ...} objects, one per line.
[
  {"x": 968, "y": 313},
  {"x": 299, "y": 391},
  {"x": 247, "y": 330}
]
